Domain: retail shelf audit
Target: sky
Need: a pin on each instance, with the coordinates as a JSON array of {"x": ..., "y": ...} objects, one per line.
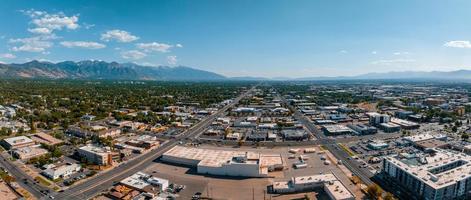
[{"x": 263, "y": 38}]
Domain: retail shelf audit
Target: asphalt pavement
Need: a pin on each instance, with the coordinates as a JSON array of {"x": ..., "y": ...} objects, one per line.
[{"x": 102, "y": 182}]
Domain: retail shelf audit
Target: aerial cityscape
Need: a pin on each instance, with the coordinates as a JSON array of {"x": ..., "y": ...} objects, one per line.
[{"x": 235, "y": 100}]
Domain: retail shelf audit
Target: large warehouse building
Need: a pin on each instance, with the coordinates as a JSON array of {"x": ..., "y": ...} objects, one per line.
[{"x": 223, "y": 162}]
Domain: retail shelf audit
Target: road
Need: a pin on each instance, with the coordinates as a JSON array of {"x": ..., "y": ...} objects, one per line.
[
  {"x": 331, "y": 145},
  {"x": 102, "y": 182},
  {"x": 30, "y": 185}
]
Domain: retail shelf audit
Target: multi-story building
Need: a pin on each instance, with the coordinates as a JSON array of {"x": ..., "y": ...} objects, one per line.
[
  {"x": 443, "y": 174},
  {"x": 96, "y": 155},
  {"x": 377, "y": 119}
]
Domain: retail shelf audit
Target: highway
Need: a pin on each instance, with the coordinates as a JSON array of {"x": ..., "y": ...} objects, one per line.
[{"x": 103, "y": 181}]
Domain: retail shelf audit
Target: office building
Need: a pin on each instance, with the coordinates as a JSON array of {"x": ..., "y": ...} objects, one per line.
[
  {"x": 96, "y": 155},
  {"x": 17, "y": 142},
  {"x": 376, "y": 119},
  {"x": 443, "y": 174}
]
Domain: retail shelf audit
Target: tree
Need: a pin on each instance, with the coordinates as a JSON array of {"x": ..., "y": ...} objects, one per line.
[
  {"x": 9, "y": 179},
  {"x": 374, "y": 191},
  {"x": 464, "y": 136},
  {"x": 454, "y": 128},
  {"x": 356, "y": 180},
  {"x": 389, "y": 196},
  {"x": 306, "y": 197}
]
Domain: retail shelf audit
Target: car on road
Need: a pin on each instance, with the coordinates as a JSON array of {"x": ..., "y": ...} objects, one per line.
[{"x": 196, "y": 196}]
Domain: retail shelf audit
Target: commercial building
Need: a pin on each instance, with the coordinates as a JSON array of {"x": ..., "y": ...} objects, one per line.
[
  {"x": 329, "y": 182},
  {"x": 98, "y": 131},
  {"x": 62, "y": 171},
  {"x": 336, "y": 129},
  {"x": 443, "y": 174},
  {"x": 233, "y": 136},
  {"x": 28, "y": 152},
  {"x": 363, "y": 129},
  {"x": 245, "y": 110},
  {"x": 144, "y": 141},
  {"x": 405, "y": 124},
  {"x": 96, "y": 155},
  {"x": 434, "y": 101},
  {"x": 294, "y": 134},
  {"x": 46, "y": 139},
  {"x": 403, "y": 114},
  {"x": 17, "y": 142},
  {"x": 390, "y": 127},
  {"x": 145, "y": 183},
  {"x": 377, "y": 145},
  {"x": 376, "y": 119},
  {"x": 224, "y": 162}
]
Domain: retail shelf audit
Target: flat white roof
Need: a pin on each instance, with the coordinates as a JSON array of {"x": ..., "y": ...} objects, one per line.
[
  {"x": 215, "y": 158},
  {"x": 337, "y": 128},
  {"x": 419, "y": 137},
  {"x": 442, "y": 158},
  {"x": 320, "y": 178},
  {"x": 18, "y": 140},
  {"x": 338, "y": 190},
  {"x": 136, "y": 181}
]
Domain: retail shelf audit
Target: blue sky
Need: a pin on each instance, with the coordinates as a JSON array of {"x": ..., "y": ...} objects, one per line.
[{"x": 244, "y": 37}]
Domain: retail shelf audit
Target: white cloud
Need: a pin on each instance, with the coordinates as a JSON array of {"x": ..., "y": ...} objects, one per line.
[
  {"x": 32, "y": 44},
  {"x": 83, "y": 44},
  {"x": 7, "y": 56},
  {"x": 392, "y": 61},
  {"x": 374, "y": 52},
  {"x": 148, "y": 64},
  {"x": 118, "y": 35},
  {"x": 343, "y": 51},
  {"x": 57, "y": 21},
  {"x": 40, "y": 30},
  {"x": 46, "y": 23},
  {"x": 154, "y": 46},
  {"x": 88, "y": 26},
  {"x": 179, "y": 45},
  {"x": 133, "y": 55},
  {"x": 401, "y": 53},
  {"x": 172, "y": 60},
  {"x": 458, "y": 44},
  {"x": 33, "y": 13}
]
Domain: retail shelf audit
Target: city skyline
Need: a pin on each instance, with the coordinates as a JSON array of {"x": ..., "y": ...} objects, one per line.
[{"x": 263, "y": 38}]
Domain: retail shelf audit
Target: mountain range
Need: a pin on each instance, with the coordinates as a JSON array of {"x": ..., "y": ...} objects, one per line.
[
  {"x": 96, "y": 70},
  {"x": 93, "y": 69}
]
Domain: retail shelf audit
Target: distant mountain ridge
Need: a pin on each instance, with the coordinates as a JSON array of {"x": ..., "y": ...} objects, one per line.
[
  {"x": 461, "y": 74},
  {"x": 432, "y": 75},
  {"x": 93, "y": 69}
]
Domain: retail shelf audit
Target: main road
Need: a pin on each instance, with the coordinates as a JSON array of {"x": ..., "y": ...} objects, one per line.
[
  {"x": 331, "y": 145},
  {"x": 24, "y": 180},
  {"x": 103, "y": 181}
]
